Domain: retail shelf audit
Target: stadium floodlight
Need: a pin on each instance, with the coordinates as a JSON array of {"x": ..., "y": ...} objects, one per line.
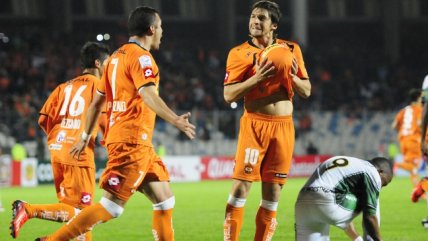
[
  {"x": 106, "y": 36},
  {"x": 100, "y": 37},
  {"x": 233, "y": 105}
]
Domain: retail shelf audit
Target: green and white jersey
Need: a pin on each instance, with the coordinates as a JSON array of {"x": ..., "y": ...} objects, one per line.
[{"x": 355, "y": 183}]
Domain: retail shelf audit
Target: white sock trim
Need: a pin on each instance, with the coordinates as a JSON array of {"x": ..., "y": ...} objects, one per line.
[
  {"x": 236, "y": 202},
  {"x": 271, "y": 206},
  {"x": 113, "y": 208},
  {"x": 359, "y": 238},
  {"x": 165, "y": 205}
]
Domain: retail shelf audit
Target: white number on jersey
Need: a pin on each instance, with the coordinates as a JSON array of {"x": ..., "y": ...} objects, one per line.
[{"x": 77, "y": 105}]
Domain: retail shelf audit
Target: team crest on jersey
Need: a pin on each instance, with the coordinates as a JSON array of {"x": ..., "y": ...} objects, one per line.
[
  {"x": 148, "y": 72},
  {"x": 114, "y": 181},
  {"x": 86, "y": 198},
  {"x": 248, "y": 170},
  {"x": 145, "y": 61}
]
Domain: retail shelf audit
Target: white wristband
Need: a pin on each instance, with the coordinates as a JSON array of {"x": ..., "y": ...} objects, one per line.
[
  {"x": 359, "y": 238},
  {"x": 85, "y": 136}
]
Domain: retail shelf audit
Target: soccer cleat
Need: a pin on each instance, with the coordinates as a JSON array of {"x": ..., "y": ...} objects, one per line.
[
  {"x": 417, "y": 193},
  {"x": 19, "y": 217}
]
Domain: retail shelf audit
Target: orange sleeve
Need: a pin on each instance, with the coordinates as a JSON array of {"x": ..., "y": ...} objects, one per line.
[
  {"x": 237, "y": 67},
  {"x": 302, "y": 73},
  {"x": 49, "y": 111},
  {"x": 142, "y": 69}
]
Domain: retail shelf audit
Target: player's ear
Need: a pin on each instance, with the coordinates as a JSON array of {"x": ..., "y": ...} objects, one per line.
[
  {"x": 274, "y": 26},
  {"x": 97, "y": 63},
  {"x": 151, "y": 30}
]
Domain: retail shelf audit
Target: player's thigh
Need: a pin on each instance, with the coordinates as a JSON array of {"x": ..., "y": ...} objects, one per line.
[
  {"x": 309, "y": 223},
  {"x": 126, "y": 169},
  {"x": 78, "y": 185},
  {"x": 277, "y": 161},
  {"x": 250, "y": 150},
  {"x": 156, "y": 182}
]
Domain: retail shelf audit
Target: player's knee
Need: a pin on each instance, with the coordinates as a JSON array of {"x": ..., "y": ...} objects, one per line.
[
  {"x": 165, "y": 205},
  {"x": 236, "y": 202},
  {"x": 113, "y": 208}
]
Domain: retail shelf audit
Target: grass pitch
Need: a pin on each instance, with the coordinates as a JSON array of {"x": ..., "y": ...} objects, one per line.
[{"x": 199, "y": 213}]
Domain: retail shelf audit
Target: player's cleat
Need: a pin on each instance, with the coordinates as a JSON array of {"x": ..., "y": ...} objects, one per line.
[
  {"x": 19, "y": 217},
  {"x": 425, "y": 223},
  {"x": 417, "y": 193}
]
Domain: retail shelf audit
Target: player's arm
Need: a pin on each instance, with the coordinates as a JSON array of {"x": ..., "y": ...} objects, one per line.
[
  {"x": 302, "y": 86},
  {"x": 352, "y": 233},
  {"x": 299, "y": 74},
  {"x": 91, "y": 121},
  {"x": 237, "y": 90},
  {"x": 424, "y": 124},
  {"x": 371, "y": 226},
  {"x": 43, "y": 123},
  {"x": 150, "y": 97}
]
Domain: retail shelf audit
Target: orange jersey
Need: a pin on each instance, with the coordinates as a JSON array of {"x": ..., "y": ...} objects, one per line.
[
  {"x": 408, "y": 122},
  {"x": 64, "y": 114},
  {"x": 241, "y": 64},
  {"x": 130, "y": 120}
]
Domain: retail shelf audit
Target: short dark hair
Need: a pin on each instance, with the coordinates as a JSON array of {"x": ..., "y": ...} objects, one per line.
[
  {"x": 414, "y": 94},
  {"x": 271, "y": 7},
  {"x": 140, "y": 20},
  {"x": 384, "y": 164},
  {"x": 92, "y": 51}
]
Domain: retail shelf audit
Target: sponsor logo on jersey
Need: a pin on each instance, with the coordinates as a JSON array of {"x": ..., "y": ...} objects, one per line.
[
  {"x": 55, "y": 147},
  {"x": 281, "y": 175},
  {"x": 60, "y": 137},
  {"x": 86, "y": 198},
  {"x": 148, "y": 72},
  {"x": 145, "y": 61},
  {"x": 114, "y": 181}
]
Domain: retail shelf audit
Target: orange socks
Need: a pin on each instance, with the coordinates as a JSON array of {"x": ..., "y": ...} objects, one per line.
[
  {"x": 59, "y": 212},
  {"x": 162, "y": 220},
  {"x": 82, "y": 223},
  {"x": 233, "y": 222},
  {"x": 266, "y": 221},
  {"x": 162, "y": 225}
]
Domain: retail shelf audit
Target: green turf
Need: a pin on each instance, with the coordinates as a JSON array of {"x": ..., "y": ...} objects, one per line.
[{"x": 199, "y": 214}]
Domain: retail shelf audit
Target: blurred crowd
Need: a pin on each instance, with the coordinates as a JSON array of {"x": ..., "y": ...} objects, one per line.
[{"x": 346, "y": 78}]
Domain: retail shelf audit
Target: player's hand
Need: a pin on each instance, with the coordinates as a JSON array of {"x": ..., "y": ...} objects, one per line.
[
  {"x": 78, "y": 148},
  {"x": 183, "y": 124},
  {"x": 264, "y": 69}
]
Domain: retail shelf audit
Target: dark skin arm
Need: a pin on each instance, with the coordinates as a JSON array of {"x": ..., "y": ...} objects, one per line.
[{"x": 371, "y": 224}]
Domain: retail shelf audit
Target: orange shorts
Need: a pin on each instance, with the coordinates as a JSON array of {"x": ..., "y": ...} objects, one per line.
[
  {"x": 74, "y": 185},
  {"x": 411, "y": 150},
  {"x": 265, "y": 148},
  {"x": 128, "y": 166}
]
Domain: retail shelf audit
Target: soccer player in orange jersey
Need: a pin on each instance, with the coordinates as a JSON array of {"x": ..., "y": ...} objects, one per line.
[
  {"x": 407, "y": 123},
  {"x": 265, "y": 71},
  {"x": 61, "y": 118},
  {"x": 129, "y": 86}
]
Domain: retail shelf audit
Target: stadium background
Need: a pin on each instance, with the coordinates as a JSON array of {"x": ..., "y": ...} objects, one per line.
[{"x": 362, "y": 56}]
